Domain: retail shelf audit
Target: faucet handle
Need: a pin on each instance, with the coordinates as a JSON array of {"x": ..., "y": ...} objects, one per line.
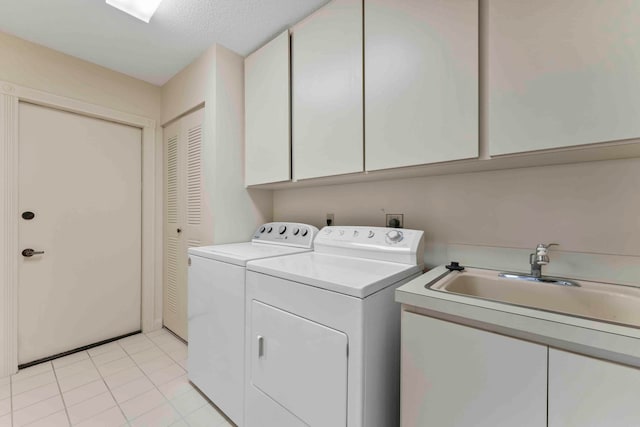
[
  {"x": 541, "y": 256},
  {"x": 544, "y": 248}
]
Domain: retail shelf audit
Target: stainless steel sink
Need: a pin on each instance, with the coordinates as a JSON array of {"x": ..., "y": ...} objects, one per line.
[{"x": 600, "y": 301}]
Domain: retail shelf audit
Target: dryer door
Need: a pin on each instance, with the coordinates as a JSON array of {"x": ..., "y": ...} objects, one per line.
[{"x": 300, "y": 364}]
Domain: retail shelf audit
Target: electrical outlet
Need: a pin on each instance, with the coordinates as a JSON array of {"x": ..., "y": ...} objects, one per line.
[
  {"x": 395, "y": 220},
  {"x": 330, "y": 220}
]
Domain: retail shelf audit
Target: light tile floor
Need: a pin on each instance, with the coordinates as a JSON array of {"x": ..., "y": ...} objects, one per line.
[{"x": 137, "y": 381}]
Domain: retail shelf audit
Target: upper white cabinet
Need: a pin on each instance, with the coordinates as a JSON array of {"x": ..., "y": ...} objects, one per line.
[
  {"x": 454, "y": 375},
  {"x": 561, "y": 73},
  {"x": 327, "y": 91},
  {"x": 267, "y": 113},
  {"x": 586, "y": 392},
  {"x": 421, "y": 81}
]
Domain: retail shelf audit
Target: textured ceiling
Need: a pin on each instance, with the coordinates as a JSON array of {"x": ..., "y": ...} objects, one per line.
[{"x": 177, "y": 34}]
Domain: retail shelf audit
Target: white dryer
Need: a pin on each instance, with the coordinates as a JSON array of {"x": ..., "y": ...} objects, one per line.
[
  {"x": 323, "y": 330},
  {"x": 216, "y": 302}
]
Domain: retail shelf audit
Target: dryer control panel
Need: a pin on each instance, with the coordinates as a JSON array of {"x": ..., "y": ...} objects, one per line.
[
  {"x": 381, "y": 243},
  {"x": 286, "y": 233}
]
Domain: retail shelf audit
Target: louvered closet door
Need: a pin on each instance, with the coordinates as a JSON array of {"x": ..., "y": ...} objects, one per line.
[{"x": 187, "y": 222}]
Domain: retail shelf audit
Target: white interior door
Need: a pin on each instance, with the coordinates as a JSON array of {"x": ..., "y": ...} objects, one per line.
[
  {"x": 187, "y": 218},
  {"x": 81, "y": 178}
]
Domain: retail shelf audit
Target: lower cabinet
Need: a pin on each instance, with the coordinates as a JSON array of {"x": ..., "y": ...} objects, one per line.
[
  {"x": 457, "y": 376},
  {"x": 587, "y": 392}
]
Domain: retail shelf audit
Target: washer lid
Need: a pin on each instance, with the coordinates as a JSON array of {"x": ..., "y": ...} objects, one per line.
[
  {"x": 358, "y": 277},
  {"x": 240, "y": 253}
]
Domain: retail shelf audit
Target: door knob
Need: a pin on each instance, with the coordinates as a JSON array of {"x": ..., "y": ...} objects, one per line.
[{"x": 28, "y": 253}]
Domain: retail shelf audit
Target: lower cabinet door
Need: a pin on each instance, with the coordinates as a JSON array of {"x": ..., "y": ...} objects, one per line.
[
  {"x": 458, "y": 376},
  {"x": 587, "y": 392},
  {"x": 299, "y": 364}
]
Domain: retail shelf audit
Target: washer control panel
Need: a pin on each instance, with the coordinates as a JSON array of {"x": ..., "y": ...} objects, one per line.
[
  {"x": 382, "y": 243},
  {"x": 286, "y": 233}
]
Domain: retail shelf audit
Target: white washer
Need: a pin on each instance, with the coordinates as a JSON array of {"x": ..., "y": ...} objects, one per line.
[
  {"x": 216, "y": 295},
  {"x": 323, "y": 330}
]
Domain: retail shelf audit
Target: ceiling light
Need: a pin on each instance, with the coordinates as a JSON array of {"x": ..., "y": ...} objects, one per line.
[{"x": 141, "y": 9}]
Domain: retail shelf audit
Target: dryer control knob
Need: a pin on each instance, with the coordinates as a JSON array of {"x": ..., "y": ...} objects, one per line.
[
  {"x": 394, "y": 236},
  {"x": 296, "y": 230},
  {"x": 282, "y": 229},
  {"x": 305, "y": 232},
  {"x": 371, "y": 234},
  {"x": 269, "y": 230},
  {"x": 262, "y": 229}
]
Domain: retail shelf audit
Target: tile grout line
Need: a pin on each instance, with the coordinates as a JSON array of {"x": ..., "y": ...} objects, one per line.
[
  {"x": 64, "y": 404},
  {"x": 30, "y": 390},
  {"x": 169, "y": 332},
  {"x": 36, "y": 387},
  {"x": 154, "y": 384},
  {"x": 108, "y": 388},
  {"x": 145, "y": 375},
  {"x": 43, "y": 400},
  {"x": 53, "y": 369}
]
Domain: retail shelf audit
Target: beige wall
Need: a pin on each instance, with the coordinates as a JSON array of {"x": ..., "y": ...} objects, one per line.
[
  {"x": 216, "y": 79},
  {"x": 237, "y": 210},
  {"x": 37, "y": 67},
  {"x": 190, "y": 87},
  {"x": 586, "y": 207}
]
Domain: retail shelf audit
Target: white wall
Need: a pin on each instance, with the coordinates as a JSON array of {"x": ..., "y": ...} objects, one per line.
[
  {"x": 589, "y": 208},
  {"x": 216, "y": 78}
]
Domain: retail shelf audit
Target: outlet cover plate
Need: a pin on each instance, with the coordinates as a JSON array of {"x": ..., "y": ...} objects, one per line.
[{"x": 394, "y": 220}]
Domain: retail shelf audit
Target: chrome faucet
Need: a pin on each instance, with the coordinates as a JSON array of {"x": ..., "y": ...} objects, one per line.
[
  {"x": 537, "y": 260},
  {"x": 540, "y": 258}
]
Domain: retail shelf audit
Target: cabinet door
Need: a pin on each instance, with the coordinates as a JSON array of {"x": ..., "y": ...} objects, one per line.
[
  {"x": 586, "y": 392},
  {"x": 562, "y": 73},
  {"x": 267, "y": 113},
  {"x": 327, "y": 92},
  {"x": 454, "y": 375},
  {"x": 421, "y": 81}
]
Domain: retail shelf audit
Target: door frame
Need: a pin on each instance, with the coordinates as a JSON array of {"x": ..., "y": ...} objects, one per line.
[{"x": 151, "y": 308}]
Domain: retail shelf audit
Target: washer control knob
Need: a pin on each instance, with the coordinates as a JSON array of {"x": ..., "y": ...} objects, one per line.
[
  {"x": 394, "y": 236},
  {"x": 371, "y": 234},
  {"x": 341, "y": 232},
  {"x": 328, "y": 231},
  {"x": 262, "y": 229},
  {"x": 305, "y": 232},
  {"x": 296, "y": 230},
  {"x": 356, "y": 233},
  {"x": 282, "y": 229},
  {"x": 270, "y": 229}
]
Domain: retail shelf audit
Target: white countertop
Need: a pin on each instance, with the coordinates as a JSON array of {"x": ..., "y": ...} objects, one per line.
[{"x": 598, "y": 339}]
